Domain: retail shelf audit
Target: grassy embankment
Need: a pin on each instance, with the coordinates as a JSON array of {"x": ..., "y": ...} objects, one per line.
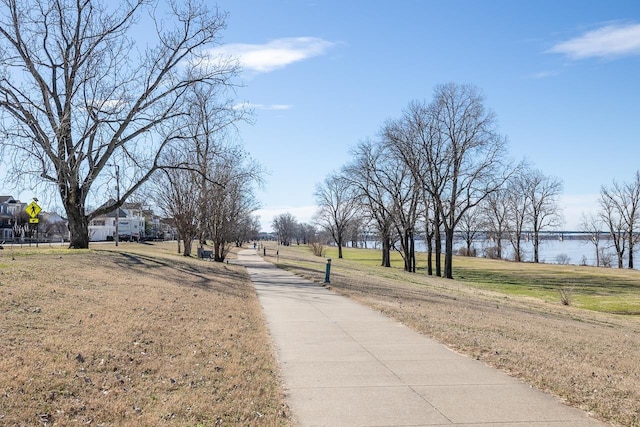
[
  {"x": 510, "y": 316},
  {"x": 133, "y": 336}
]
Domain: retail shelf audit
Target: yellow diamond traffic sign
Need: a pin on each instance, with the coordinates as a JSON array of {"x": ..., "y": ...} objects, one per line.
[{"x": 33, "y": 209}]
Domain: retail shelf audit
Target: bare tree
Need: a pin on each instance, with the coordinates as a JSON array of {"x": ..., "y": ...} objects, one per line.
[
  {"x": 614, "y": 222},
  {"x": 51, "y": 225},
  {"x": 592, "y": 225},
  {"x": 470, "y": 227},
  {"x": 476, "y": 154},
  {"x": 205, "y": 166},
  {"x": 542, "y": 193},
  {"x": 415, "y": 139},
  {"x": 176, "y": 192},
  {"x": 621, "y": 205},
  {"x": 307, "y": 233},
  {"x": 76, "y": 93},
  {"x": 285, "y": 225},
  {"x": 407, "y": 198},
  {"x": 337, "y": 206},
  {"x": 371, "y": 174},
  {"x": 402, "y": 198},
  {"x": 494, "y": 213},
  {"x": 229, "y": 203},
  {"x": 453, "y": 148},
  {"x": 207, "y": 132},
  {"x": 356, "y": 230},
  {"x": 432, "y": 234},
  {"x": 517, "y": 213},
  {"x": 248, "y": 229}
]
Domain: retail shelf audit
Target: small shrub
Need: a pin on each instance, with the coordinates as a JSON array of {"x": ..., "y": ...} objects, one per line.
[
  {"x": 563, "y": 259},
  {"x": 519, "y": 256},
  {"x": 317, "y": 248},
  {"x": 583, "y": 261},
  {"x": 490, "y": 252},
  {"x": 606, "y": 258},
  {"x": 566, "y": 294},
  {"x": 465, "y": 252}
]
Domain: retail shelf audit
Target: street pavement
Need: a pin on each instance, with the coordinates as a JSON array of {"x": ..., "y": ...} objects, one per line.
[{"x": 344, "y": 364}]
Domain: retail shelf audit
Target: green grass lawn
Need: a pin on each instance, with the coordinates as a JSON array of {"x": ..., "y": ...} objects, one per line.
[{"x": 601, "y": 289}]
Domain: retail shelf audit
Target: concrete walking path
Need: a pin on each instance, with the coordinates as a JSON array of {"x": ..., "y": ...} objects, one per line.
[{"x": 346, "y": 365}]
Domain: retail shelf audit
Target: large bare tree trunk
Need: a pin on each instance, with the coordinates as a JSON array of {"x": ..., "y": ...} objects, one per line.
[
  {"x": 188, "y": 242},
  {"x": 517, "y": 256},
  {"x": 412, "y": 253},
  {"x": 428, "y": 239},
  {"x": 429, "y": 243},
  {"x": 218, "y": 251},
  {"x": 79, "y": 228},
  {"x": 438, "y": 241},
  {"x": 408, "y": 249},
  {"x": 77, "y": 218},
  {"x": 536, "y": 247},
  {"x": 386, "y": 251},
  {"x": 448, "y": 252}
]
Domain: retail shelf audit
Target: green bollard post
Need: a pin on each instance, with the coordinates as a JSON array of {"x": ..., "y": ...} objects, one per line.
[{"x": 327, "y": 271}]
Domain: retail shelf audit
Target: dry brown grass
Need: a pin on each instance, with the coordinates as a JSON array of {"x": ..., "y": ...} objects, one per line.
[
  {"x": 138, "y": 336},
  {"x": 589, "y": 359}
]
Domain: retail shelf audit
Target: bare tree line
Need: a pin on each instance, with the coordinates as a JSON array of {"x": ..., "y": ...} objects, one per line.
[
  {"x": 209, "y": 190},
  {"x": 288, "y": 230},
  {"x": 618, "y": 218},
  {"x": 440, "y": 167}
]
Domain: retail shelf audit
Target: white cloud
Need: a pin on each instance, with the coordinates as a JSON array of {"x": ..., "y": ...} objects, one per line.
[
  {"x": 252, "y": 106},
  {"x": 276, "y": 54},
  {"x": 611, "y": 41}
]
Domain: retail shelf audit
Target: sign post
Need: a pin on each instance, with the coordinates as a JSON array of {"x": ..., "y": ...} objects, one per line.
[{"x": 33, "y": 210}]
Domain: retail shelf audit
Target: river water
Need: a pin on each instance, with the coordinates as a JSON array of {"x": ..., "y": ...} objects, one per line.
[
  {"x": 551, "y": 251},
  {"x": 576, "y": 251}
]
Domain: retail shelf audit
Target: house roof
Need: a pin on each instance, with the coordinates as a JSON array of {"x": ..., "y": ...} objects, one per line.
[
  {"x": 122, "y": 213},
  {"x": 112, "y": 214},
  {"x": 132, "y": 205},
  {"x": 7, "y": 199}
]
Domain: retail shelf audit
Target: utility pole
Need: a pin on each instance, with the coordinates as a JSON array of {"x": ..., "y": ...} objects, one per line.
[{"x": 117, "y": 236}]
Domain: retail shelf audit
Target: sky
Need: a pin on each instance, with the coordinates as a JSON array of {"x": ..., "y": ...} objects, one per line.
[{"x": 321, "y": 76}]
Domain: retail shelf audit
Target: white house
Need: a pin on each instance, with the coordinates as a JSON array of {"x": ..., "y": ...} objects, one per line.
[
  {"x": 131, "y": 224},
  {"x": 11, "y": 214}
]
